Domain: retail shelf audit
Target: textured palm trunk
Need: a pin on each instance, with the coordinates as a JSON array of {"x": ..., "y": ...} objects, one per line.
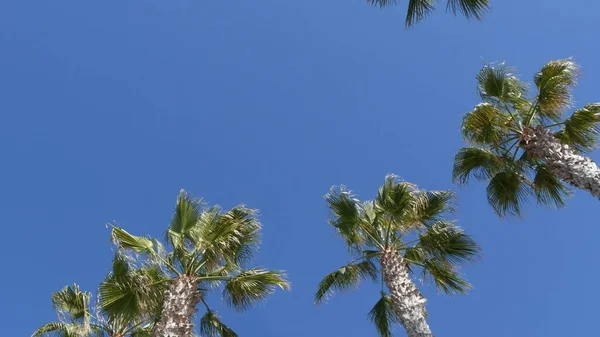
[
  {"x": 562, "y": 160},
  {"x": 179, "y": 307},
  {"x": 407, "y": 302}
]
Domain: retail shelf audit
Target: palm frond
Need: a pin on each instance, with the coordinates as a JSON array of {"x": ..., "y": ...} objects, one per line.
[
  {"x": 581, "y": 130},
  {"x": 486, "y": 124},
  {"x": 211, "y": 326},
  {"x": 345, "y": 216},
  {"x": 60, "y": 329},
  {"x": 72, "y": 302},
  {"x": 446, "y": 242},
  {"x": 184, "y": 218},
  {"x": 498, "y": 83},
  {"x": 382, "y": 316},
  {"x": 445, "y": 277},
  {"x": 506, "y": 193},
  {"x": 346, "y": 277},
  {"x": 145, "y": 331},
  {"x": 431, "y": 205},
  {"x": 555, "y": 82},
  {"x": 122, "y": 239},
  {"x": 549, "y": 189},
  {"x": 469, "y": 8},
  {"x": 479, "y": 163},
  {"x": 251, "y": 286},
  {"x": 418, "y": 10},
  {"x": 394, "y": 197}
]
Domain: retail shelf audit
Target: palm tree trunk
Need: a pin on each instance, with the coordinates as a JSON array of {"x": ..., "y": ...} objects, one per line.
[
  {"x": 562, "y": 160},
  {"x": 407, "y": 302},
  {"x": 179, "y": 307}
]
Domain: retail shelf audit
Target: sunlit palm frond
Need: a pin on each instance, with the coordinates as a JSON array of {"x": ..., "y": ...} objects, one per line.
[
  {"x": 211, "y": 326},
  {"x": 445, "y": 276},
  {"x": 251, "y": 286},
  {"x": 555, "y": 82},
  {"x": 184, "y": 218},
  {"x": 382, "y": 316},
  {"x": 479, "y": 163},
  {"x": 506, "y": 192},
  {"x": 446, "y": 242},
  {"x": 144, "y": 331},
  {"x": 486, "y": 125},
  {"x": 346, "y": 277},
  {"x": 345, "y": 215},
  {"x": 72, "y": 303},
  {"x": 498, "y": 84},
  {"x": 394, "y": 198},
  {"x": 469, "y": 8},
  {"x": 581, "y": 130},
  {"x": 431, "y": 205},
  {"x": 548, "y": 188},
  {"x": 122, "y": 239},
  {"x": 60, "y": 329}
]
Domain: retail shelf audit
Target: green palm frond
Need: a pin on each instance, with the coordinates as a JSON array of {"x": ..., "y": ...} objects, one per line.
[
  {"x": 60, "y": 329},
  {"x": 145, "y": 331},
  {"x": 382, "y": 316},
  {"x": 122, "y": 239},
  {"x": 418, "y": 10},
  {"x": 72, "y": 302},
  {"x": 345, "y": 216},
  {"x": 431, "y": 205},
  {"x": 394, "y": 198},
  {"x": 445, "y": 277},
  {"x": 479, "y": 163},
  {"x": 232, "y": 238},
  {"x": 251, "y": 286},
  {"x": 498, "y": 83},
  {"x": 346, "y": 277},
  {"x": 506, "y": 192},
  {"x": 469, "y": 8},
  {"x": 211, "y": 326},
  {"x": 184, "y": 218},
  {"x": 486, "y": 124},
  {"x": 555, "y": 82},
  {"x": 581, "y": 130},
  {"x": 548, "y": 188},
  {"x": 446, "y": 242}
]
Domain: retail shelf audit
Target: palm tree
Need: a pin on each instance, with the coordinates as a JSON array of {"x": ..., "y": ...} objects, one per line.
[
  {"x": 126, "y": 298},
  {"x": 419, "y": 9},
  {"x": 401, "y": 232},
  {"x": 525, "y": 147},
  {"x": 208, "y": 248}
]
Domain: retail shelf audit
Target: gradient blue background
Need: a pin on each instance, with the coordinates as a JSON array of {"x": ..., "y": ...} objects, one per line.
[{"x": 108, "y": 108}]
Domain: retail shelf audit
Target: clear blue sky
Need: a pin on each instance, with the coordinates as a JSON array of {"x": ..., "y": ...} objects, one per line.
[{"x": 108, "y": 108}]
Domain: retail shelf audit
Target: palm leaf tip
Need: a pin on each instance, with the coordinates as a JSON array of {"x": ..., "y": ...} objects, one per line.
[
  {"x": 252, "y": 286},
  {"x": 418, "y": 10},
  {"x": 506, "y": 192},
  {"x": 581, "y": 130},
  {"x": 479, "y": 163},
  {"x": 548, "y": 188},
  {"x": 212, "y": 326},
  {"x": 469, "y": 8},
  {"x": 382, "y": 316},
  {"x": 344, "y": 278},
  {"x": 555, "y": 82}
]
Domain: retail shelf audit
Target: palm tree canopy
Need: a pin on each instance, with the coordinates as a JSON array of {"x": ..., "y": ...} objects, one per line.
[
  {"x": 210, "y": 245},
  {"x": 410, "y": 221},
  {"x": 418, "y": 9},
  {"x": 496, "y": 127}
]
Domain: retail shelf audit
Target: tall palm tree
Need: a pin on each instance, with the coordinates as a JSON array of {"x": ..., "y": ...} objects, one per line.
[
  {"x": 402, "y": 232},
  {"x": 419, "y": 9},
  {"x": 209, "y": 247},
  {"x": 526, "y": 147},
  {"x": 126, "y": 298}
]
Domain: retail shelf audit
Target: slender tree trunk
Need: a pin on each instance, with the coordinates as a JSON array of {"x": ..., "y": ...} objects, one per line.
[
  {"x": 179, "y": 307},
  {"x": 561, "y": 159},
  {"x": 407, "y": 302}
]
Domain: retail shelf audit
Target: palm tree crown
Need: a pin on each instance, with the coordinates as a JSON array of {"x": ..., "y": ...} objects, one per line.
[
  {"x": 502, "y": 129},
  {"x": 403, "y": 220},
  {"x": 209, "y": 248},
  {"x": 419, "y": 9}
]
